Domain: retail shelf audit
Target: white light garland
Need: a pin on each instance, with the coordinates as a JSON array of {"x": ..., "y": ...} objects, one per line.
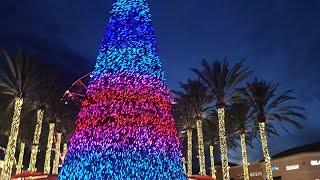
[
  {"x": 202, "y": 161},
  {"x": 213, "y": 169},
  {"x": 64, "y": 152},
  {"x": 11, "y": 146},
  {"x": 189, "y": 149},
  {"x": 36, "y": 139},
  {"x": 57, "y": 155},
  {"x": 20, "y": 161},
  {"x": 244, "y": 157},
  {"x": 264, "y": 143},
  {"x": 49, "y": 147},
  {"x": 223, "y": 144},
  {"x": 184, "y": 165}
]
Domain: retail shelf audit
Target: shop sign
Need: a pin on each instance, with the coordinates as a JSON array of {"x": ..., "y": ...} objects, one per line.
[
  {"x": 292, "y": 167},
  {"x": 275, "y": 168},
  {"x": 254, "y": 174},
  {"x": 315, "y": 162}
]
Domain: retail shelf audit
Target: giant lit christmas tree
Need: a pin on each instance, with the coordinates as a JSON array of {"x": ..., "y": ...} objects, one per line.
[{"x": 125, "y": 129}]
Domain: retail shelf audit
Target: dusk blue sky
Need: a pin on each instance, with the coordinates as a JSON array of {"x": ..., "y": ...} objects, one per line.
[{"x": 280, "y": 41}]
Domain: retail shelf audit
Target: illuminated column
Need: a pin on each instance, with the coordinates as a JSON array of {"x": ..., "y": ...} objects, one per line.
[
  {"x": 202, "y": 161},
  {"x": 57, "y": 155},
  {"x": 244, "y": 157},
  {"x": 223, "y": 144},
  {"x": 11, "y": 146},
  {"x": 184, "y": 165},
  {"x": 213, "y": 169},
  {"x": 264, "y": 143},
  {"x": 64, "y": 152},
  {"x": 35, "y": 143},
  {"x": 48, "y": 151},
  {"x": 189, "y": 158},
  {"x": 20, "y": 161}
]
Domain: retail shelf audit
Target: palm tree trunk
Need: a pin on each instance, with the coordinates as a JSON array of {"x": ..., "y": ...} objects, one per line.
[
  {"x": 189, "y": 149},
  {"x": 57, "y": 155},
  {"x": 213, "y": 169},
  {"x": 202, "y": 161},
  {"x": 223, "y": 144},
  {"x": 64, "y": 152},
  {"x": 36, "y": 139},
  {"x": 49, "y": 148},
  {"x": 184, "y": 165},
  {"x": 264, "y": 143},
  {"x": 20, "y": 161},
  {"x": 244, "y": 157},
  {"x": 11, "y": 146}
]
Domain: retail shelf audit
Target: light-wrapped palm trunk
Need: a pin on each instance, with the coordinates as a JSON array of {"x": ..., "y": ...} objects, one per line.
[
  {"x": 265, "y": 149},
  {"x": 64, "y": 152},
  {"x": 35, "y": 143},
  {"x": 244, "y": 157},
  {"x": 12, "y": 142},
  {"x": 189, "y": 149},
  {"x": 20, "y": 161},
  {"x": 213, "y": 169},
  {"x": 49, "y": 148},
  {"x": 184, "y": 165},
  {"x": 202, "y": 161},
  {"x": 223, "y": 144},
  {"x": 57, "y": 155}
]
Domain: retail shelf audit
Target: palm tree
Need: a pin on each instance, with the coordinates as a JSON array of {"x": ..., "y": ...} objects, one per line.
[
  {"x": 47, "y": 162},
  {"x": 222, "y": 81},
  {"x": 17, "y": 81},
  {"x": 240, "y": 116},
  {"x": 185, "y": 123},
  {"x": 40, "y": 105},
  {"x": 196, "y": 95},
  {"x": 211, "y": 136},
  {"x": 20, "y": 160},
  {"x": 58, "y": 139},
  {"x": 59, "y": 117},
  {"x": 270, "y": 106}
]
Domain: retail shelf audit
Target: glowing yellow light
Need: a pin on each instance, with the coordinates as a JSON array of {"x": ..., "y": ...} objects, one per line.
[
  {"x": 11, "y": 146},
  {"x": 265, "y": 149},
  {"x": 213, "y": 169},
  {"x": 36, "y": 139},
  {"x": 189, "y": 158},
  {"x": 49, "y": 147},
  {"x": 57, "y": 155},
  {"x": 223, "y": 144},
  {"x": 184, "y": 165},
  {"x": 64, "y": 152},
  {"x": 20, "y": 161},
  {"x": 202, "y": 161},
  {"x": 244, "y": 157}
]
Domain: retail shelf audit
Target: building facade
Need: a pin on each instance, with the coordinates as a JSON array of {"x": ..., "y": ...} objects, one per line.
[{"x": 301, "y": 166}]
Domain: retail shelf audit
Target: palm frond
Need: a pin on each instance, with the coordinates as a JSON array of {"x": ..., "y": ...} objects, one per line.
[
  {"x": 223, "y": 79},
  {"x": 269, "y": 105}
]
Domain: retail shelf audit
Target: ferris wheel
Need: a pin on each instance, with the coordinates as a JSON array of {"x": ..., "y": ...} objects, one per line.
[{"x": 77, "y": 91}]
